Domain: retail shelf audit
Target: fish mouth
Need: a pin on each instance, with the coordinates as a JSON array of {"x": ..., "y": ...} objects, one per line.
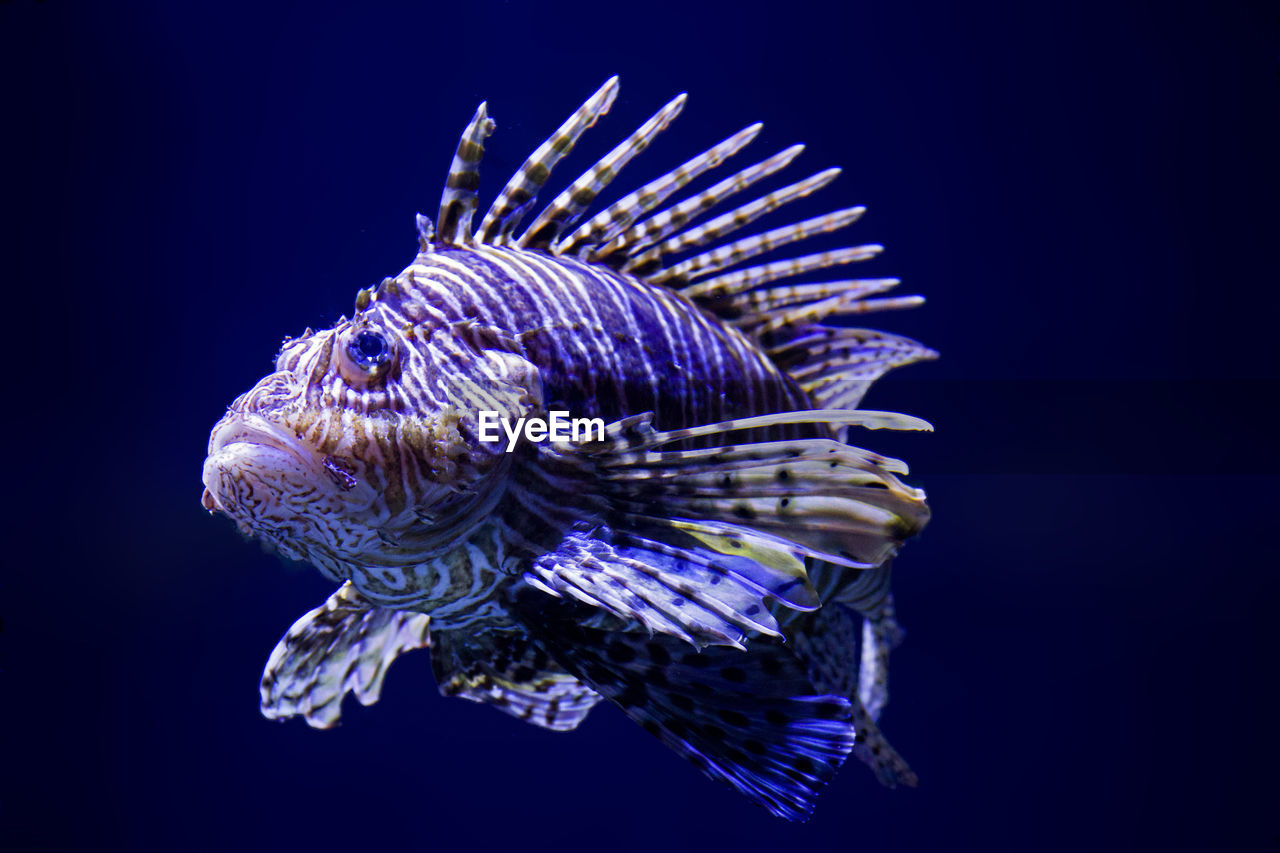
[
  {"x": 248, "y": 428},
  {"x": 241, "y": 432}
]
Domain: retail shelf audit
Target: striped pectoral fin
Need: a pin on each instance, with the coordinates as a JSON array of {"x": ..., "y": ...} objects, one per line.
[
  {"x": 687, "y": 592},
  {"x": 776, "y": 503},
  {"x": 514, "y": 675},
  {"x": 750, "y": 719},
  {"x": 344, "y": 646},
  {"x": 702, "y": 544}
]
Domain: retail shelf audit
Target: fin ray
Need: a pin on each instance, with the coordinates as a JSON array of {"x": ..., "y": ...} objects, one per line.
[
  {"x": 619, "y": 216},
  {"x": 721, "y": 257},
  {"x": 744, "y": 280},
  {"x": 667, "y": 222},
  {"x": 565, "y": 209},
  {"x": 343, "y": 646},
  {"x": 513, "y": 674},
  {"x": 665, "y": 589},
  {"x": 752, "y": 720},
  {"x": 828, "y": 643},
  {"x": 458, "y": 201},
  {"x": 522, "y": 189},
  {"x": 726, "y": 223},
  {"x": 774, "y": 504}
]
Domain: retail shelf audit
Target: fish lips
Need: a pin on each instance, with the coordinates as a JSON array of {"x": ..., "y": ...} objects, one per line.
[{"x": 244, "y": 443}]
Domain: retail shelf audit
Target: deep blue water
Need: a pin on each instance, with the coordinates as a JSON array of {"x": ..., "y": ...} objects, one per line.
[{"x": 1087, "y": 194}]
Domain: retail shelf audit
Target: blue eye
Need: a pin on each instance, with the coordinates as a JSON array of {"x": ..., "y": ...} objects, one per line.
[{"x": 369, "y": 350}]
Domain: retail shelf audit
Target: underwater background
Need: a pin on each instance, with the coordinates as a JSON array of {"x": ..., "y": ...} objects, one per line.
[{"x": 1086, "y": 193}]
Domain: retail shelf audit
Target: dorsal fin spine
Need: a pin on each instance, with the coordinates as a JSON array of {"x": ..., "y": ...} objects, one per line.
[
  {"x": 518, "y": 195},
  {"x": 665, "y": 223},
  {"x": 786, "y": 321},
  {"x": 573, "y": 202},
  {"x": 754, "y": 306},
  {"x": 721, "y": 257},
  {"x": 741, "y": 281},
  {"x": 606, "y": 225},
  {"x": 739, "y": 217},
  {"x": 458, "y": 201}
]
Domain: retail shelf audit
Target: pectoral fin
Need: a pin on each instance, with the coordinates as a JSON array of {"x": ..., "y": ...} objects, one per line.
[
  {"x": 344, "y": 645},
  {"x": 703, "y": 543}
]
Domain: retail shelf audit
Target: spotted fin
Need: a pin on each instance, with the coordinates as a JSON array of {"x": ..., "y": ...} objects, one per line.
[
  {"x": 777, "y": 502},
  {"x": 752, "y": 720},
  {"x": 345, "y": 645},
  {"x": 512, "y": 673},
  {"x": 704, "y": 544}
]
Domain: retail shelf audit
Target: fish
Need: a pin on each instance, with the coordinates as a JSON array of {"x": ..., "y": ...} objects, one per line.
[{"x": 711, "y": 553}]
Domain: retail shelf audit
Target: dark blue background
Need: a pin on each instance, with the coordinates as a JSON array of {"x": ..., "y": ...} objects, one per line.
[{"x": 1087, "y": 194}]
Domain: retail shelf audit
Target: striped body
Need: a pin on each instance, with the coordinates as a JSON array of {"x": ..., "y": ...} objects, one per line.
[{"x": 605, "y": 343}]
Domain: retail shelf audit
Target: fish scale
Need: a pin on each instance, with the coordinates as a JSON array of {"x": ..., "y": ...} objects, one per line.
[{"x": 701, "y": 565}]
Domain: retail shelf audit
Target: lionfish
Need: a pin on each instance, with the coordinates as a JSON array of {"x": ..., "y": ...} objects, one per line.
[{"x": 716, "y": 563}]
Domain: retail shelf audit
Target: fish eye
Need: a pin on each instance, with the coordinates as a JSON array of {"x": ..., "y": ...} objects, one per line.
[
  {"x": 367, "y": 354},
  {"x": 369, "y": 350}
]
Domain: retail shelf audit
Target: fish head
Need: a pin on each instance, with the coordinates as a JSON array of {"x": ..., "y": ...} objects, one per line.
[{"x": 359, "y": 448}]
